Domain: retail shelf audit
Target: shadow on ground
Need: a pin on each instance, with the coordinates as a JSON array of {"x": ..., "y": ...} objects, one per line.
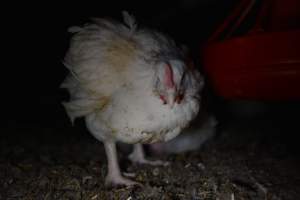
[{"x": 249, "y": 159}]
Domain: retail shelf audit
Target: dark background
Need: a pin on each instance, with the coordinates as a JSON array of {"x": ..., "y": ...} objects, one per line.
[
  {"x": 254, "y": 139},
  {"x": 36, "y": 39}
]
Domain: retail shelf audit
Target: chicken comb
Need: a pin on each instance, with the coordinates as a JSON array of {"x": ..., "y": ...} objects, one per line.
[{"x": 168, "y": 76}]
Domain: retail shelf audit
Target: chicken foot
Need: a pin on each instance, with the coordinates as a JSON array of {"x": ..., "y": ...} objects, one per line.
[{"x": 114, "y": 177}]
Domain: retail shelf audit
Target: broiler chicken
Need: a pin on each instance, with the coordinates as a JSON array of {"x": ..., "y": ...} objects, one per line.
[{"x": 131, "y": 85}]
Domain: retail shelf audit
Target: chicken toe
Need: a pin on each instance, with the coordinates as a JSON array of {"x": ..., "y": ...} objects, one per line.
[{"x": 118, "y": 180}]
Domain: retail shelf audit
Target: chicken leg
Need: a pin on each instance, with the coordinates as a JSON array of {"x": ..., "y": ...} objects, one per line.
[
  {"x": 114, "y": 176},
  {"x": 138, "y": 156}
]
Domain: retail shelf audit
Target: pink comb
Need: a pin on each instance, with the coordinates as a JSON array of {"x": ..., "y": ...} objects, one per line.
[{"x": 168, "y": 78}]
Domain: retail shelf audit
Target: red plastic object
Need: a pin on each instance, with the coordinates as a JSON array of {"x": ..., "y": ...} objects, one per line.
[{"x": 264, "y": 63}]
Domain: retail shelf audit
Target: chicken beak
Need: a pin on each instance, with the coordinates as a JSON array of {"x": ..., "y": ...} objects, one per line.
[{"x": 171, "y": 101}]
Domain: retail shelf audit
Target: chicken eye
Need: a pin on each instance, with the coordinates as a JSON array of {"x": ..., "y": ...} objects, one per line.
[{"x": 163, "y": 98}]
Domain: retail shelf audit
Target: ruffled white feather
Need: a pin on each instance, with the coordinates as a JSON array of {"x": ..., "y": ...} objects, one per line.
[{"x": 112, "y": 71}]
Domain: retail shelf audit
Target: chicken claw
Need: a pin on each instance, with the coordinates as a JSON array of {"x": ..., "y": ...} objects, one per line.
[{"x": 117, "y": 180}]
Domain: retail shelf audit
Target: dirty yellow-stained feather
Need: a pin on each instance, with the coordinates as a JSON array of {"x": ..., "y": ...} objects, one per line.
[
  {"x": 102, "y": 103},
  {"x": 120, "y": 53}
]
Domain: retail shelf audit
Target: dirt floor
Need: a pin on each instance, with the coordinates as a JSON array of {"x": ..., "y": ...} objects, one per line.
[{"x": 245, "y": 161}]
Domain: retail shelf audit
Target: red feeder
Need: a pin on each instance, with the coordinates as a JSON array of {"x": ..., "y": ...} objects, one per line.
[{"x": 263, "y": 63}]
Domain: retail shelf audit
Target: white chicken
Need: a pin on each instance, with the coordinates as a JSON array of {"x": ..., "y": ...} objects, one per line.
[{"x": 131, "y": 85}]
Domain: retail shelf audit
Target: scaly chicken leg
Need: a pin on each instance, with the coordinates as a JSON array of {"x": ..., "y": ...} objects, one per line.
[
  {"x": 114, "y": 176},
  {"x": 138, "y": 156}
]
